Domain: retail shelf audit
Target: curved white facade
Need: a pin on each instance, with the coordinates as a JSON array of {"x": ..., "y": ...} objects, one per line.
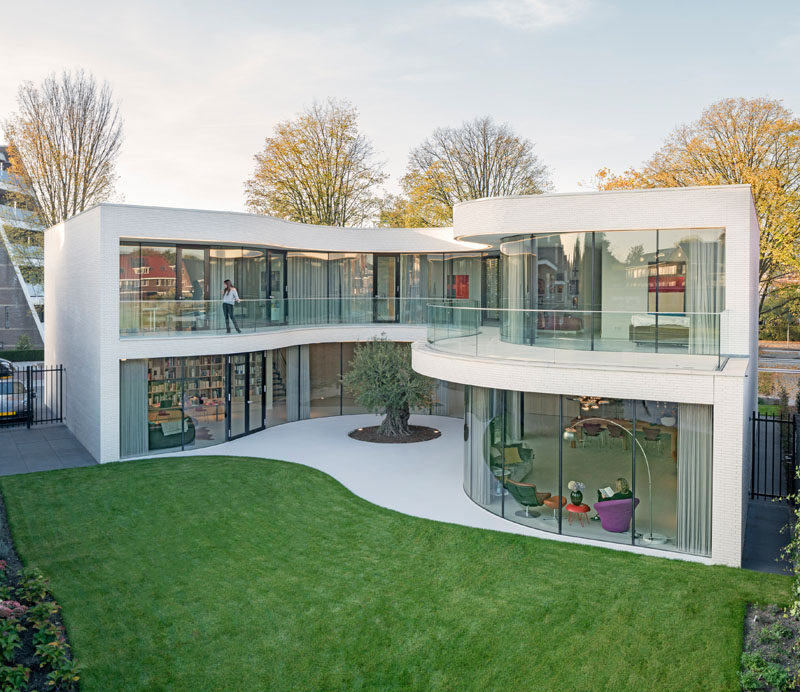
[{"x": 478, "y": 336}]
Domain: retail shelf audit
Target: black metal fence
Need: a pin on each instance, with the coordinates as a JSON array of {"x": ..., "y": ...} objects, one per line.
[
  {"x": 774, "y": 455},
  {"x": 30, "y": 395}
]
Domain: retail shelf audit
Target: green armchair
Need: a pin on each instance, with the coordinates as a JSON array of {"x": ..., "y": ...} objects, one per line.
[{"x": 527, "y": 495}]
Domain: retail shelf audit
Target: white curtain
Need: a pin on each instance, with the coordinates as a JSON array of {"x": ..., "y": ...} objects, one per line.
[
  {"x": 514, "y": 257},
  {"x": 413, "y": 288},
  {"x": 695, "y": 453},
  {"x": 133, "y": 430},
  {"x": 478, "y": 479},
  {"x": 308, "y": 288},
  {"x": 704, "y": 293},
  {"x": 298, "y": 383}
]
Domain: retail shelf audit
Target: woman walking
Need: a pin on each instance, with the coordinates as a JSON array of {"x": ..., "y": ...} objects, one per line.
[{"x": 229, "y": 298}]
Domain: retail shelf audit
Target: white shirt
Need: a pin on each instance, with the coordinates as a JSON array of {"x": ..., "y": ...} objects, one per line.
[{"x": 231, "y": 297}]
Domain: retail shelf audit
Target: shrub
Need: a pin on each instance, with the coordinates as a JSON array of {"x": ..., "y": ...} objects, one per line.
[
  {"x": 773, "y": 633},
  {"x": 32, "y": 586},
  {"x": 12, "y": 679},
  {"x": 24, "y": 343},
  {"x": 51, "y": 655},
  {"x": 39, "y": 614},
  {"x": 65, "y": 675},
  {"x": 783, "y": 399},
  {"x": 9, "y": 640},
  {"x": 12, "y": 609}
]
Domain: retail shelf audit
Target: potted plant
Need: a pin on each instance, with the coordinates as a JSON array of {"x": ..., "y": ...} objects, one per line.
[{"x": 576, "y": 492}]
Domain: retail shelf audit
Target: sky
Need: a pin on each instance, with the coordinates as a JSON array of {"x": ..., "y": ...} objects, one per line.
[{"x": 593, "y": 83}]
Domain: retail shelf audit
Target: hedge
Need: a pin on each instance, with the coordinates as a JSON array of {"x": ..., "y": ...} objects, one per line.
[{"x": 21, "y": 354}]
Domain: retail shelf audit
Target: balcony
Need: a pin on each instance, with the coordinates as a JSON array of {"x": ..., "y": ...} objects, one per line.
[
  {"x": 687, "y": 340},
  {"x": 187, "y": 318}
]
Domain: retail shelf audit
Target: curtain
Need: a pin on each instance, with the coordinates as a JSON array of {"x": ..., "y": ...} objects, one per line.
[
  {"x": 133, "y": 431},
  {"x": 704, "y": 293},
  {"x": 308, "y": 288},
  {"x": 350, "y": 287},
  {"x": 695, "y": 453},
  {"x": 298, "y": 383},
  {"x": 512, "y": 320},
  {"x": 479, "y": 481},
  {"x": 413, "y": 289}
]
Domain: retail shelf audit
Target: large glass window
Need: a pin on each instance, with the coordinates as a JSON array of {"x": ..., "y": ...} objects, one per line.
[
  {"x": 617, "y": 470},
  {"x": 168, "y": 428},
  {"x": 325, "y": 367},
  {"x": 350, "y": 279},
  {"x": 652, "y": 291},
  {"x": 204, "y": 399},
  {"x": 308, "y": 287}
]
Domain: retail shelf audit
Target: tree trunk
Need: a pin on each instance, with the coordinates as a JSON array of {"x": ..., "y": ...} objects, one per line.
[{"x": 395, "y": 424}]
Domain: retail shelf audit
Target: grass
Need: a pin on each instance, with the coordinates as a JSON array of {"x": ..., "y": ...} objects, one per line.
[
  {"x": 224, "y": 573},
  {"x": 769, "y": 409}
]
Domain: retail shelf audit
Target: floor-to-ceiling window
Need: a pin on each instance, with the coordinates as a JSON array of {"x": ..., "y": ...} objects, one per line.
[
  {"x": 617, "y": 470},
  {"x": 350, "y": 288},
  {"x": 654, "y": 290}
]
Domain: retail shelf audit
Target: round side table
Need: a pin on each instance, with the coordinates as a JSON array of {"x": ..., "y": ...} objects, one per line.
[{"x": 579, "y": 511}]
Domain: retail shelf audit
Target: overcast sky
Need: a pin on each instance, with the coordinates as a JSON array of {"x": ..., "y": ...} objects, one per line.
[{"x": 592, "y": 82}]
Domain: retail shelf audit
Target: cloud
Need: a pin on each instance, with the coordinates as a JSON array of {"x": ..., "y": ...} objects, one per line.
[{"x": 525, "y": 15}]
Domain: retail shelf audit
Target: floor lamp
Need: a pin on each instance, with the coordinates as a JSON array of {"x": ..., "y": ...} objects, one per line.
[{"x": 652, "y": 538}]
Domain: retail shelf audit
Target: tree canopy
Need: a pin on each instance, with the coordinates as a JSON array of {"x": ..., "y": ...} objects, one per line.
[
  {"x": 751, "y": 141},
  {"x": 317, "y": 169},
  {"x": 480, "y": 158},
  {"x": 64, "y": 142},
  {"x": 382, "y": 380}
]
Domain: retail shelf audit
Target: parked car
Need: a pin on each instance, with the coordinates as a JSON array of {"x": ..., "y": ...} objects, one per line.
[
  {"x": 16, "y": 403},
  {"x": 7, "y": 369}
]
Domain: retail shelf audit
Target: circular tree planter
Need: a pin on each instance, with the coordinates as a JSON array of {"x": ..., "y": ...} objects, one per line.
[{"x": 419, "y": 433}]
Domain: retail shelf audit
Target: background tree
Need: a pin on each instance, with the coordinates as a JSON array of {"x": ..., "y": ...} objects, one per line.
[
  {"x": 64, "y": 142},
  {"x": 382, "y": 381},
  {"x": 317, "y": 169},
  {"x": 478, "y": 159},
  {"x": 756, "y": 142}
]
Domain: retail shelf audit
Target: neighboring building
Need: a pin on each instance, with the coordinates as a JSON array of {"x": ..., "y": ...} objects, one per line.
[
  {"x": 582, "y": 337},
  {"x": 21, "y": 264}
]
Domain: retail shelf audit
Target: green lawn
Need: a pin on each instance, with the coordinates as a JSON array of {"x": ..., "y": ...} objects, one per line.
[{"x": 231, "y": 574}]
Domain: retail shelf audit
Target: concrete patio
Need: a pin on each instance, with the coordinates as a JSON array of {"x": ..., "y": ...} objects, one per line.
[{"x": 40, "y": 448}]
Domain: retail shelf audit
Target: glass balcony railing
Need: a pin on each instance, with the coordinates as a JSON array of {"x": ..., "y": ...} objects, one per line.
[
  {"x": 149, "y": 318},
  {"x": 557, "y": 334}
]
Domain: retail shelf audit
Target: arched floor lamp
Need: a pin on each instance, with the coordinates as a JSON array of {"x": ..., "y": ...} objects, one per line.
[{"x": 652, "y": 538}]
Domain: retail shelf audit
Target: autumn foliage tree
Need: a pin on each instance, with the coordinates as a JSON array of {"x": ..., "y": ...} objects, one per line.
[
  {"x": 317, "y": 169},
  {"x": 481, "y": 158},
  {"x": 744, "y": 141},
  {"x": 64, "y": 142}
]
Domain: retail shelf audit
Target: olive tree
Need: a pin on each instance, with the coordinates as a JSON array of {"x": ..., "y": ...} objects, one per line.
[{"x": 382, "y": 381}]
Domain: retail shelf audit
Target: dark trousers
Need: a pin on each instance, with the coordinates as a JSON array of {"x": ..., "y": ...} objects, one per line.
[{"x": 227, "y": 310}]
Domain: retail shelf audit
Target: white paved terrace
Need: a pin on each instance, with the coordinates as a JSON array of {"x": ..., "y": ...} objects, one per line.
[{"x": 423, "y": 479}]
